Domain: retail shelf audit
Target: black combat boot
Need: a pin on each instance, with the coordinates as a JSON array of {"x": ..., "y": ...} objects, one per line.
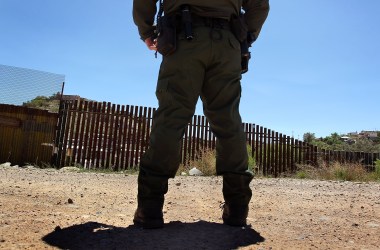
[
  {"x": 149, "y": 217},
  {"x": 235, "y": 215},
  {"x": 237, "y": 194},
  {"x": 150, "y": 198}
]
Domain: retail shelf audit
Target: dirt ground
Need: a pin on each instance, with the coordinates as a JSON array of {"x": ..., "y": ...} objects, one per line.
[{"x": 55, "y": 209}]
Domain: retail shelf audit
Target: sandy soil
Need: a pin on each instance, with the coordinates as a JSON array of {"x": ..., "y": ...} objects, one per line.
[{"x": 51, "y": 209}]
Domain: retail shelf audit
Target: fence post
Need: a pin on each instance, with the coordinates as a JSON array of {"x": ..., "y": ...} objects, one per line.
[
  {"x": 269, "y": 152},
  {"x": 124, "y": 114},
  {"x": 257, "y": 143},
  {"x": 265, "y": 151},
  {"x": 63, "y": 149},
  {"x": 56, "y": 158},
  {"x": 272, "y": 153},
  {"x": 292, "y": 152},
  {"x": 288, "y": 155}
]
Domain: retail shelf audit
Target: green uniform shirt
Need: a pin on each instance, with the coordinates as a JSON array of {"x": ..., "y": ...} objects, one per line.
[{"x": 256, "y": 11}]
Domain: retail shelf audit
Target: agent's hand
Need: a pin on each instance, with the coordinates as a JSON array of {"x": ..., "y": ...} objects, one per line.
[{"x": 151, "y": 43}]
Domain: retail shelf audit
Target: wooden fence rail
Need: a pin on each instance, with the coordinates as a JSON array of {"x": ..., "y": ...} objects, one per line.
[{"x": 105, "y": 135}]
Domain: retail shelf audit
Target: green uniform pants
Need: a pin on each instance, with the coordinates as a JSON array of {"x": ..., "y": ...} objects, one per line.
[{"x": 207, "y": 67}]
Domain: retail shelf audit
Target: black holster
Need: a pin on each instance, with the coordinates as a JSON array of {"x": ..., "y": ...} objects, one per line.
[
  {"x": 240, "y": 30},
  {"x": 166, "y": 35},
  {"x": 167, "y": 28}
]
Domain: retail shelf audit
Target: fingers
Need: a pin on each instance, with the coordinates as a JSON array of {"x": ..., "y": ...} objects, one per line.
[{"x": 151, "y": 44}]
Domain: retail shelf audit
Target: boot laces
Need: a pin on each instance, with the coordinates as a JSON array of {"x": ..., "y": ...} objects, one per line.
[{"x": 221, "y": 205}]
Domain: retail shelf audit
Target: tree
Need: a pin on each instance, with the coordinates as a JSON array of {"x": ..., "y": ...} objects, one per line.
[
  {"x": 309, "y": 137},
  {"x": 334, "y": 142},
  {"x": 50, "y": 103},
  {"x": 333, "y": 139},
  {"x": 365, "y": 145}
]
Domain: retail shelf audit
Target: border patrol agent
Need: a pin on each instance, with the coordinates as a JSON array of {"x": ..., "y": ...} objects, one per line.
[{"x": 206, "y": 63}]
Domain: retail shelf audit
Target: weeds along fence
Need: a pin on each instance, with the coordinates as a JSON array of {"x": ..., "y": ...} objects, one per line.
[
  {"x": 105, "y": 135},
  {"x": 364, "y": 158},
  {"x": 26, "y": 135}
]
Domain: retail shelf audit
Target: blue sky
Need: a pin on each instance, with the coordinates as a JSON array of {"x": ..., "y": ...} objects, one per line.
[{"x": 315, "y": 66}]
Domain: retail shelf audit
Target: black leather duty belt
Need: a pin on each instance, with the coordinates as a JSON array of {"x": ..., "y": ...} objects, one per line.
[{"x": 218, "y": 23}]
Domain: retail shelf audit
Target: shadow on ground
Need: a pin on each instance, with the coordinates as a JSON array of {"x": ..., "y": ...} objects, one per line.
[{"x": 175, "y": 235}]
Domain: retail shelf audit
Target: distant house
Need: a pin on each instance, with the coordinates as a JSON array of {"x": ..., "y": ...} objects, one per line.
[
  {"x": 347, "y": 139},
  {"x": 371, "y": 135}
]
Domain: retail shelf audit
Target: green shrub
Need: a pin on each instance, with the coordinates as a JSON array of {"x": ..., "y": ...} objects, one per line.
[
  {"x": 377, "y": 167},
  {"x": 301, "y": 174},
  {"x": 251, "y": 159},
  {"x": 376, "y": 173}
]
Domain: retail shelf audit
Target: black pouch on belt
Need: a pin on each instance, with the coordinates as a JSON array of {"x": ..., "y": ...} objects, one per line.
[{"x": 166, "y": 37}]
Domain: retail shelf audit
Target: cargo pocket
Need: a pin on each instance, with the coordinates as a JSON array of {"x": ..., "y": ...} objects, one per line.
[{"x": 162, "y": 92}]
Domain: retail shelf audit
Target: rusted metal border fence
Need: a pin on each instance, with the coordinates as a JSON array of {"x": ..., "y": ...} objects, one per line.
[
  {"x": 105, "y": 135},
  {"x": 364, "y": 158},
  {"x": 26, "y": 135},
  {"x": 102, "y": 135}
]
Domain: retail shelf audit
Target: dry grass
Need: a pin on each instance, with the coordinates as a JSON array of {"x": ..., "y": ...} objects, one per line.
[
  {"x": 338, "y": 171},
  {"x": 205, "y": 162}
]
